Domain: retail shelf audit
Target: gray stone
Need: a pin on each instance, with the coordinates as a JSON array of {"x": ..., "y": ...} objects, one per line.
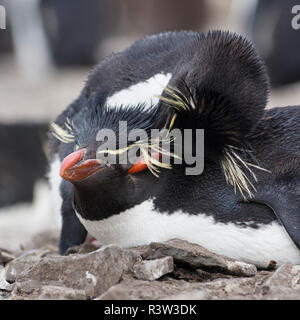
[
  {"x": 5, "y": 256},
  {"x": 4, "y": 285},
  {"x": 233, "y": 287},
  {"x": 17, "y": 266},
  {"x": 188, "y": 295},
  {"x": 60, "y": 293},
  {"x": 93, "y": 272},
  {"x": 221, "y": 289},
  {"x": 284, "y": 283},
  {"x": 86, "y": 247},
  {"x": 111, "y": 273},
  {"x": 133, "y": 289},
  {"x": 29, "y": 290},
  {"x": 198, "y": 257},
  {"x": 197, "y": 275},
  {"x": 153, "y": 269}
]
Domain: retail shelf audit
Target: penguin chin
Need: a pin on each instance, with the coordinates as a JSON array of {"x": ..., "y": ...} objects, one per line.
[
  {"x": 110, "y": 191},
  {"x": 105, "y": 193}
]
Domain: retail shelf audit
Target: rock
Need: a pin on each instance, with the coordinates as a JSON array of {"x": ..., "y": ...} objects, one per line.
[
  {"x": 28, "y": 290},
  {"x": 84, "y": 248},
  {"x": 117, "y": 292},
  {"x": 187, "y": 295},
  {"x": 198, "y": 257},
  {"x": 196, "y": 275},
  {"x": 25, "y": 260},
  {"x": 130, "y": 289},
  {"x": 5, "y": 256},
  {"x": 93, "y": 272},
  {"x": 60, "y": 293},
  {"x": 272, "y": 265},
  {"x": 4, "y": 295},
  {"x": 284, "y": 283},
  {"x": 153, "y": 269},
  {"x": 221, "y": 289},
  {"x": 4, "y": 285},
  {"x": 120, "y": 274},
  {"x": 133, "y": 289},
  {"x": 239, "y": 268}
]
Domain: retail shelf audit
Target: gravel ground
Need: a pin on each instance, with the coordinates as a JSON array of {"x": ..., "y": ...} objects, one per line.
[{"x": 171, "y": 270}]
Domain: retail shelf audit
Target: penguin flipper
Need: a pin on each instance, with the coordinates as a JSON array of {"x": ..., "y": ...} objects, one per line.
[
  {"x": 283, "y": 197},
  {"x": 73, "y": 232}
]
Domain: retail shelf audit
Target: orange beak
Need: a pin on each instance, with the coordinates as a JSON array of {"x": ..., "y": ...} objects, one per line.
[{"x": 72, "y": 169}]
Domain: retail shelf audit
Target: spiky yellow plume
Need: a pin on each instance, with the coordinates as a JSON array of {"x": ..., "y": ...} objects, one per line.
[
  {"x": 176, "y": 99},
  {"x": 147, "y": 148},
  {"x": 234, "y": 167},
  {"x": 61, "y": 134}
]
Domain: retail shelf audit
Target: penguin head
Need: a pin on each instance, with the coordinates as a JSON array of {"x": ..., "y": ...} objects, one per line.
[{"x": 102, "y": 183}]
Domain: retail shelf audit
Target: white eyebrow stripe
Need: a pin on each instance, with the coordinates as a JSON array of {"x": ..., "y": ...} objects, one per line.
[{"x": 146, "y": 92}]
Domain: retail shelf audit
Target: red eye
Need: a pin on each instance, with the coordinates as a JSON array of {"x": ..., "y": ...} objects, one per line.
[{"x": 141, "y": 165}]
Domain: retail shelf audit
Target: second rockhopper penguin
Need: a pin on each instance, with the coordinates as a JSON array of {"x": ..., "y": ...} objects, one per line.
[{"x": 246, "y": 202}]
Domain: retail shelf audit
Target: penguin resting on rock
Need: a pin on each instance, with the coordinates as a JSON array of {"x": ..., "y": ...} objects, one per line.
[{"x": 246, "y": 202}]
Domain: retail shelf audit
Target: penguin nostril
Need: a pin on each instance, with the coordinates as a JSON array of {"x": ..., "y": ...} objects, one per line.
[{"x": 90, "y": 153}]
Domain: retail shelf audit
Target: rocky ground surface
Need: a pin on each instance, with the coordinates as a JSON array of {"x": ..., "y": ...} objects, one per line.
[{"x": 174, "y": 269}]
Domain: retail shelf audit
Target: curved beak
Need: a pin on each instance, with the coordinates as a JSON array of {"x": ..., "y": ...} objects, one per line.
[{"x": 74, "y": 169}]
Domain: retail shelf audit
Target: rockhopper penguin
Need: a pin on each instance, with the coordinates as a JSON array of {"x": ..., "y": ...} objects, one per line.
[{"x": 246, "y": 202}]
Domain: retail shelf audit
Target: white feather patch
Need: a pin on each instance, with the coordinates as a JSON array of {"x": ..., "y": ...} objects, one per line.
[
  {"x": 141, "y": 225},
  {"x": 55, "y": 181},
  {"x": 146, "y": 92}
]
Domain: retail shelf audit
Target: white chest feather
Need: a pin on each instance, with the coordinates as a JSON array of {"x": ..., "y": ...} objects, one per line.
[
  {"x": 142, "y": 224},
  {"x": 146, "y": 92},
  {"x": 55, "y": 181}
]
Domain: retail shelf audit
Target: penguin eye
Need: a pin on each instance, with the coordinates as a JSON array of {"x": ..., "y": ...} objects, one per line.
[
  {"x": 142, "y": 165},
  {"x": 139, "y": 166}
]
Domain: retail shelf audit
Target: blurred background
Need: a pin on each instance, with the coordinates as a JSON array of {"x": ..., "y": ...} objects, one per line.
[{"x": 47, "y": 49}]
